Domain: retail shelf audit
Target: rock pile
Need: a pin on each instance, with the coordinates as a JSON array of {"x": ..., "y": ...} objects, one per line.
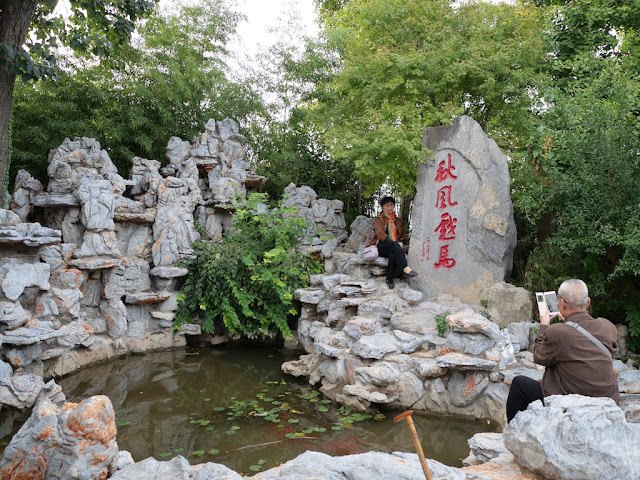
[
  {"x": 102, "y": 277},
  {"x": 367, "y": 345}
]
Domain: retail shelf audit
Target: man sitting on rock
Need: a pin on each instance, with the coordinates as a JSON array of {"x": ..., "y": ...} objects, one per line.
[{"x": 574, "y": 362}]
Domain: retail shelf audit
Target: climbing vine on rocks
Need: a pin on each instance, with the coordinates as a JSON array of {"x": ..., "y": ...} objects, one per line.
[{"x": 247, "y": 280}]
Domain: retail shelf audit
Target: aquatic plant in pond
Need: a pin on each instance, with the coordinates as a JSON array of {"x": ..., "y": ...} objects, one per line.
[{"x": 236, "y": 407}]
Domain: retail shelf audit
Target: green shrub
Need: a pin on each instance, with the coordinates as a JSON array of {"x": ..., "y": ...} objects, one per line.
[{"x": 248, "y": 279}]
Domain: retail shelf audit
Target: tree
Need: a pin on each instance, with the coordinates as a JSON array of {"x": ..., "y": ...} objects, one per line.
[
  {"x": 408, "y": 65},
  {"x": 574, "y": 190},
  {"x": 169, "y": 82},
  {"x": 580, "y": 32},
  {"x": 94, "y": 28}
]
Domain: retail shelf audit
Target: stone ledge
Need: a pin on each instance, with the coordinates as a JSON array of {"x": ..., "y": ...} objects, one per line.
[{"x": 105, "y": 348}]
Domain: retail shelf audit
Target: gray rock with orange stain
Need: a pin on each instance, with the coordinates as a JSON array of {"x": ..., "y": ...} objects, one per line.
[
  {"x": 76, "y": 441},
  {"x": 464, "y": 388},
  {"x": 177, "y": 468}
]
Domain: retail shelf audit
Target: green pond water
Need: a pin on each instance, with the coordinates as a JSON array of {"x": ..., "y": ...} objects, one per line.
[{"x": 236, "y": 407}]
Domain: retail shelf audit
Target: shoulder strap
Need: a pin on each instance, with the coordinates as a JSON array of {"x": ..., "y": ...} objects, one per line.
[{"x": 595, "y": 341}]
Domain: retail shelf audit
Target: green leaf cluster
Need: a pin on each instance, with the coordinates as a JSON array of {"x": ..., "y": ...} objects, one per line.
[
  {"x": 248, "y": 279},
  {"x": 169, "y": 82},
  {"x": 404, "y": 66},
  {"x": 574, "y": 189}
]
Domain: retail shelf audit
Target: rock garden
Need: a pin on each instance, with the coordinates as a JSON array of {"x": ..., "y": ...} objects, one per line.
[{"x": 91, "y": 271}]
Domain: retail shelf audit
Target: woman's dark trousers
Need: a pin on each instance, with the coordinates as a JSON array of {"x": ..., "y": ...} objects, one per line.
[
  {"x": 523, "y": 391},
  {"x": 393, "y": 251}
]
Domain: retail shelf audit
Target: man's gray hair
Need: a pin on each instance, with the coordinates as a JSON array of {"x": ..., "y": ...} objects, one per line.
[{"x": 575, "y": 293}]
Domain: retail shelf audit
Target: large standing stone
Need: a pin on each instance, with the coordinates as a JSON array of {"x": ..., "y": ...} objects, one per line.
[
  {"x": 573, "y": 438},
  {"x": 463, "y": 232},
  {"x": 75, "y": 442}
]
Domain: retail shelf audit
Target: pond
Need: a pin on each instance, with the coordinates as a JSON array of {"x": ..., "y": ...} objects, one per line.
[{"x": 236, "y": 407}]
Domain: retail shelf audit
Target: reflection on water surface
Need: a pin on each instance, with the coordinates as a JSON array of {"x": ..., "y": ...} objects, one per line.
[{"x": 236, "y": 407}]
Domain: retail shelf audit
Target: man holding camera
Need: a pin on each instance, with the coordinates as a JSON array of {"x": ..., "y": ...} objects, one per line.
[{"x": 577, "y": 353}]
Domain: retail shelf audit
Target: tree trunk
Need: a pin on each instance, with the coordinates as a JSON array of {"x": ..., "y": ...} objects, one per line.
[{"x": 15, "y": 18}]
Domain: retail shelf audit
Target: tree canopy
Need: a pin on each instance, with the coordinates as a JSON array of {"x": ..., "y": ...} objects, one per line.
[
  {"x": 408, "y": 65},
  {"x": 94, "y": 28}
]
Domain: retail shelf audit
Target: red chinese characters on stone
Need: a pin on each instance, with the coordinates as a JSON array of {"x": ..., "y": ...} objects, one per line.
[
  {"x": 445, "y": 172},
  {"x": 444, "y": 260},
  {"x": 447, "y": 227},
  {"x": 443, "y": 198}
]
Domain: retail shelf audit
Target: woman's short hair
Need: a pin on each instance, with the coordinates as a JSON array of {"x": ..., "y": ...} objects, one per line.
[{"x": 385, "y": 200}]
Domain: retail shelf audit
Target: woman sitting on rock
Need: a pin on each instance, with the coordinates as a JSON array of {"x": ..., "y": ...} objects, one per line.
[{"x": 388, "y": 236}]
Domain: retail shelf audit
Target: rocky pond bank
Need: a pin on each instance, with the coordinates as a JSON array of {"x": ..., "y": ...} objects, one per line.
[{"x": 90, "y": 271}]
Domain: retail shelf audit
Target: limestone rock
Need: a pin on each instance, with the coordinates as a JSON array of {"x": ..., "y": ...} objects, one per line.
[
  {"x": 408, "y": 343},
  {"x": 376, "y": 346},
  {"x": 98, "y": 244},
  {"x": 173, "y": 230},
  {"x": 520, "y": 333},
  {"x": 176, "y": 468},
  {"x": 24, "y": 391},
  {"x": 629, "y": 381},
  {"x": 427, "y": 367},
  {"x": 465, "y": 388},
  {"x": 459, "y": 361},
  {"x": 16, "y": 276},
  {"x": 470, "y": 343},
  {"x": 371, "y": 394},
  {"x": 13, "y": 315},
  {"x": 362, "y": 466},
  {"x": 379, "y": 373},
  {"x": 30, "y": 234},
  {"x": 509, "y": 304},
  {"x": 361, "y": 232},
  {"x": 309, "y": 295},
  {"x": 419, "y": 319},
  {"x": 300, "y": 197},
  {"x": 115, "y": 313},
  {"x": 503, "y": 351},
  {"x": 356, "y": 327},
  {"x": 574, "y": 437},
  {"x": 98, "y": 203},
  {"x": 467, "y": 321},
  {"x": 485, "y": 446},
  {"x": 75, "y": 442},
  {"x": 463, "y": 232},
  {"x": 26, "y": 188}
]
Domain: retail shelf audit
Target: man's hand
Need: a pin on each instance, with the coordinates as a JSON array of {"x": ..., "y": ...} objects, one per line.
[{"x": 546, "y": 318}]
